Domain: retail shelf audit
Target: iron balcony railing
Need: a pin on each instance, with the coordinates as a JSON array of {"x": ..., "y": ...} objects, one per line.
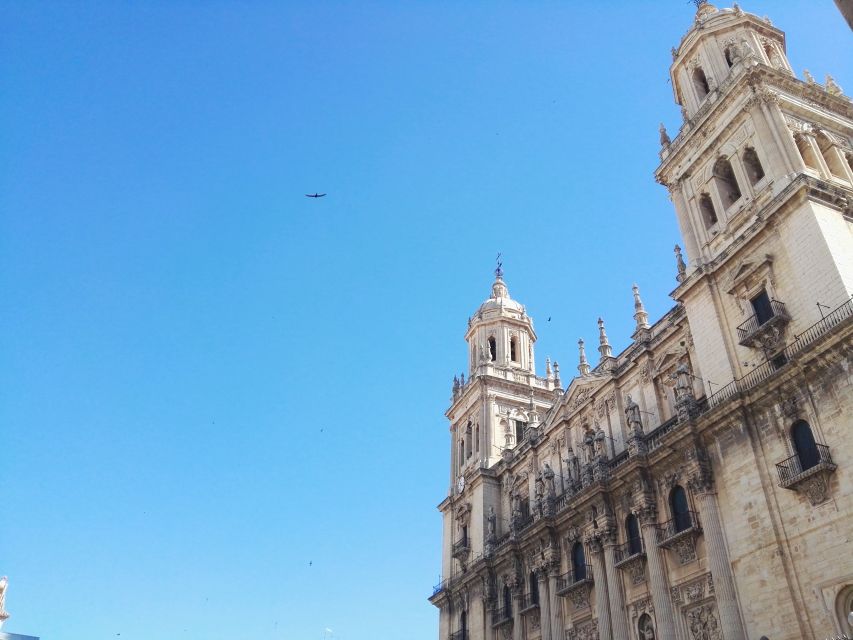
[
  {"x": 462, "y": 634},
  {"x": 751, "y": 325},
  {"x": 792, "y": 468},
  {"x": 764, "y": 371},
  {"x": 568, "y": 580},
  {"x": 461, "y": 546},
  {"x": 529, "y": 601},
  {"x": 502, "y": 616},
  {"x": 682, "y": 523},
  {"x": 629, "y": 550}
]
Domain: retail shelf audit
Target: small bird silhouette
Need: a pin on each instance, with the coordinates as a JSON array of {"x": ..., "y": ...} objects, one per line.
[
  {"x": 314, "y": 195},
  {"x": 549, "y": 318}
]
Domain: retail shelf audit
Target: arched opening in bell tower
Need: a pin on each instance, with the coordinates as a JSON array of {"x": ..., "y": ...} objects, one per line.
[
  {"x": 700, "y": 83},
  {"x": 493, "y": 349},
  {"x": 754, "y": 170},
  {"x": 706, "y": 208},
  {"x": 727, "y": 185}
]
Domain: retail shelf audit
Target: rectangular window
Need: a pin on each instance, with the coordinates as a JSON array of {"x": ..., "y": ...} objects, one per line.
[
  {"x": 761, "y": 306},
  {"x": 520, "y": 427}
]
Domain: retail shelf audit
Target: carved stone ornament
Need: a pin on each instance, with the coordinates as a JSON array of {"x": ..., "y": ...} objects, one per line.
[
  {"x": 685, "y": 549},
  {"x": 703, "y": 624},
  {"x": 816, "y": 489},
  {"x": 579, "y": 595},
  {"x": 789, "y": 406},
  {"x": 585, "y": 631},
  {"x": 635, "y": 567}
]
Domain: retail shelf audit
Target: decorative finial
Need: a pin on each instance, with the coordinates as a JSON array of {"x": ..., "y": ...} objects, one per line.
[
  {"x": 738, "y": 11},
  {"x": 664, "y": 136},
  {"x": 603, "y": 345},
  {"x": 640, "y": 315},
  {"x": 679, "y": 262},
  {"x": 557, "y": 374},
  {"x": 548, "y": 367},
  {"x": 808, "y": 76},
  {"x": 832, "y": 87},
  {"x": 583, "y": 365},
  {"x": 499, "y": 272}
]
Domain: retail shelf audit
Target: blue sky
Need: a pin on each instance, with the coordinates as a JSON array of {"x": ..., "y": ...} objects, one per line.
[{"x": 222, "y": 402}]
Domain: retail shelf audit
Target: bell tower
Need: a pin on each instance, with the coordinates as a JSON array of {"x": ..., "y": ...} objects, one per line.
[{"x": 761, "y": 176}]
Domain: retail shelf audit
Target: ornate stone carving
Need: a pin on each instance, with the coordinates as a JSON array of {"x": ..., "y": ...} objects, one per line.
[
  {"x": 816, "y": 489},
  {"x": 685, "y": 549},
  {"x": 636, "y": 569},
  {"x": 585, "y": 631},
  {"x": 703, "y": 624},
  {"x": 579, "y": 596}
]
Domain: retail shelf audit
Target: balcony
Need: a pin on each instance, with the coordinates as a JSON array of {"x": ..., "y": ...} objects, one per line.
[
  {"x": 682, "y": 525},
  {"x": 501, "y": 616},
  {"x": 813, "y": 480},
  {"x": 462, "y": 634},
  {"x": 765, "y": 333},
  {"x": 461, "y": 549},
  {"x": 529, "y": 603},
  {"x": 631, "y": 558},
  {"x": 627, "y": 552},
  {"x": 679, "y": 535},
  {"x": 576, "y": 585}
]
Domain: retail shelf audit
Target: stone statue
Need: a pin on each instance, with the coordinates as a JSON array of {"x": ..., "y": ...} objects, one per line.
[
  {"x": 808, "y": 76},
  {"x": 599, "y": 443},
  {"x": 540, "y": 486},
  {"x": 550, "y": 486},
  {"x": 491, "y": 522},
  {"x": 683, "y": 382},
  {"x": 679, "y": 263},
  {"x": 632, "y": 416},
  {"x": 832, "y": 86},
  {"x": 4, "y": 583},
  {"x": 664, "y": 136}
]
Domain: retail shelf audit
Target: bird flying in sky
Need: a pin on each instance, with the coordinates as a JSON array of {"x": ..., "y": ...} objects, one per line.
[{"x": 314, "y": 195}]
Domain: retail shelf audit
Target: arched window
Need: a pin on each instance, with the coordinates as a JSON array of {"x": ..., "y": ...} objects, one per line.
[
  {"x": 706, "y": 207},
  {"x": 754, "y": 170},
  {"x": 700, "y": 83},
  {"x": 727, "y": 185},
  {"x": 493, "y": 349},
  {"x": 468, "y": 439},
  {"x": 461, "y": 451},
  {"x": 534, "y": 588},
  {"x": 831, "y": 155},
  {"x": 804, "y": 444},
  {"x": 729, "y": 53},
  {"x": 463, "y": 624},
  {"x": 477, "y": 439},
  {"x": 578, "y": 562},
  {"x": 679, "y": 508},
  {"x": 632, "y": 533},
  {"x": 507, "y": 601},
  {"x": 513, "y": 349},
  {"x": 806, "y": 152},
  {"x": 645, "y": 628}
]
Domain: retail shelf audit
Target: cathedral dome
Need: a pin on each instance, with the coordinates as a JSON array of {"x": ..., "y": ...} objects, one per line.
[{"x": 499, "y": 299}]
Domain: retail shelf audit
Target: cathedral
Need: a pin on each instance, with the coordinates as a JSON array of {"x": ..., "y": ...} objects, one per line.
[{"x": 640, "y": 500}]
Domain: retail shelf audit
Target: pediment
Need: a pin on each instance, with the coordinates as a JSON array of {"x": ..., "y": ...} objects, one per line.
[{"x": 748, "y": 272}]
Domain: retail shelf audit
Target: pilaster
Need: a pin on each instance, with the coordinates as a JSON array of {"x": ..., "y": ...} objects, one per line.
[{"x": 657, "y": 573}]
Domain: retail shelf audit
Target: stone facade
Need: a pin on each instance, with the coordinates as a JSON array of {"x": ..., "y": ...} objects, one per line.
[{"x": 694, "y": 486}]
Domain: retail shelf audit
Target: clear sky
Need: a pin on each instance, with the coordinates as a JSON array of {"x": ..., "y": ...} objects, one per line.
[{"x": 222, "y": 402}]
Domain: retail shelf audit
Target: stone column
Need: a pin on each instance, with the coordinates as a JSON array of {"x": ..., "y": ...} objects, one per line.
[
  {"x": 599, "y": 577},
  {"x": 544, "y": 604},
  {"x": 517, "y": 619},
  {"x": 557, "y": 624},
  {"x": 618, "y": 614},
  {"x": 718, "y": 559},
  {"x": 657, "y": 574}
]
